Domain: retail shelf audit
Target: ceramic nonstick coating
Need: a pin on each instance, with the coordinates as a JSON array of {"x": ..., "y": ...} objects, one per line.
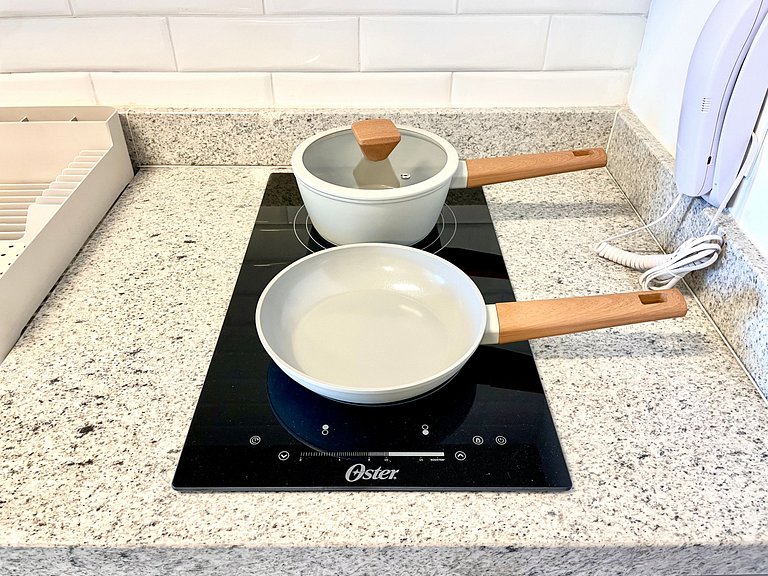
[
  {"x": 353, "y": 199},
  {"x": 371, "y": 323},
  {"x": 377, "y": 323}
]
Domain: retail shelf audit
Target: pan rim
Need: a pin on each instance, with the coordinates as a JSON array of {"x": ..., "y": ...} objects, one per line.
[{"x": 403, "y": 390}]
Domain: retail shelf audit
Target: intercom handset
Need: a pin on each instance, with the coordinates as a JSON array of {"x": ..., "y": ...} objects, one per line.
[{"x": 715, "y": 73}]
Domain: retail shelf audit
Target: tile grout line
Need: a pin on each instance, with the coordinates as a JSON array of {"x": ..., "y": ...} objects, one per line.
[
  {"x": 170, "y": 39},
  {"x": 93, "y": 88},
  {"x": 359, "y": 47},
  {"x": 271, "y": 76},
  {"x": 546, "y": 44}
]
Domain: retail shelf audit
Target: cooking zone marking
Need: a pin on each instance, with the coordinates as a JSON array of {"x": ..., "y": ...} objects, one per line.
[{"x": 447, "y": 220}]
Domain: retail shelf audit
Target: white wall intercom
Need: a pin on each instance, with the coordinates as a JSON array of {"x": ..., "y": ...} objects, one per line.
[
  {"x": 724, "y": 93},
  {"x": 718, "y": 140}
]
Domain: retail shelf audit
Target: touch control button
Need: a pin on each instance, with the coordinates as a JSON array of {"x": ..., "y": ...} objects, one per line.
[
  {"x": 477, "y": 440},
  {"x": 283, "y": 456},
  {"x": 500, "y": 440},
  {"x": 253, "y": 440},
  {"x": 460, "y": 456}
]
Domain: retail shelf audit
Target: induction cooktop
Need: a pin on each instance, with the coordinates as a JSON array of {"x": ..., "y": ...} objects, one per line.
[{"x": 254, "y": 429}]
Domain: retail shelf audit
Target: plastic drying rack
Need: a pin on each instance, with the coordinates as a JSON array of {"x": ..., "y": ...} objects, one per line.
[{"x": 61, "y": 168}]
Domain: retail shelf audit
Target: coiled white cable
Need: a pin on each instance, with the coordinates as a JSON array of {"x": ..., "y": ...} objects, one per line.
[{"x": 662, "y": 271}]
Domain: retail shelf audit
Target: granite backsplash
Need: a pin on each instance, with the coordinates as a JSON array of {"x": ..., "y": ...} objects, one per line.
[{"x": 734, "y": 291}]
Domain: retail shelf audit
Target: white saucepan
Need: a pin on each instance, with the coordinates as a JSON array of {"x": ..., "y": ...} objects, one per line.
[
  {"x": 398, "y": 199},
  {"x": 377, "y": 323}
]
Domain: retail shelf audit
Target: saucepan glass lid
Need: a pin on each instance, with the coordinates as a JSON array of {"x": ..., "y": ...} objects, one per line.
[{"x": 337, "y": 159}]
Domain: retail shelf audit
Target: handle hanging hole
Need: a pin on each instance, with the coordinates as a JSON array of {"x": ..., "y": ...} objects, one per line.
[{"x": 654, "y": 298}]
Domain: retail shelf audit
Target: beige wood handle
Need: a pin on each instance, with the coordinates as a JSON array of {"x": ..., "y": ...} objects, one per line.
[
  {"x": 540, "y": 318},
  {"x": 376, "y": 138},
  {"x": 484, "y": 171}
]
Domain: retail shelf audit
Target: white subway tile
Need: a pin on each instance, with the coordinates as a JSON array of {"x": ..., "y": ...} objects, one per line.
[
  {"x": 540, "y": 89},
  {"x": 317, "y": 43},
  {"x": 554, "y": 6},
  {"x": 358, "y": 7},
  {"x": 453, "y": 42},
  {"x": 34, "y": 8},
  {"x": 183, "y": 89},
  {"x": 59, "y": 44},
  {"x": 46, "y": 89},
  {"x": 362, "y": 89},
  {"x": 594, "y": 42},
  {"x": 91, "y": 7}
]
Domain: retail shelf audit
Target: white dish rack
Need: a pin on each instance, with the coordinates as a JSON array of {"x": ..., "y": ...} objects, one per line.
[{"x": 61, "y": 168}]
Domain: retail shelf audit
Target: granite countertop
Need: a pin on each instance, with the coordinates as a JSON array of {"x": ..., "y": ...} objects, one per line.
[{"x": 664, "y": 434}]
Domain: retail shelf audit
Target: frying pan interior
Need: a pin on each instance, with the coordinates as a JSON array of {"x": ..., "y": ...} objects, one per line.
[{"x": 382, "y": 317}]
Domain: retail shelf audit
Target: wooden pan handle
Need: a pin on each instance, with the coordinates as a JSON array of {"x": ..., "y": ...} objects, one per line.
[
  {"x": 376, "y": 138},
  {"x": 540, "y": 318},
  {"x": 484, "y": 171}
]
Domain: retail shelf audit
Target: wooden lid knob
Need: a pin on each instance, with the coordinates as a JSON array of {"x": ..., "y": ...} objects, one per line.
[{"x": 376, "y": 138}]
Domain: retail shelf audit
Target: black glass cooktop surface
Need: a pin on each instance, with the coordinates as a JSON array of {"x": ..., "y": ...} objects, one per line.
[{"x": 488, "y": 428}]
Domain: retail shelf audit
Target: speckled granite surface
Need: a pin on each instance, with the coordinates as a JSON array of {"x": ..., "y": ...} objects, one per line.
[
  {"x": 735, "y": 292},
  {"x": 735, "y": 289},
  {"x": 268, "y": 137},
  {"x": 665, "y": 436}
]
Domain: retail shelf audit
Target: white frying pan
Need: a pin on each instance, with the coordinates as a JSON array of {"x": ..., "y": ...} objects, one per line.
[{"x": 378, "y": 323}]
